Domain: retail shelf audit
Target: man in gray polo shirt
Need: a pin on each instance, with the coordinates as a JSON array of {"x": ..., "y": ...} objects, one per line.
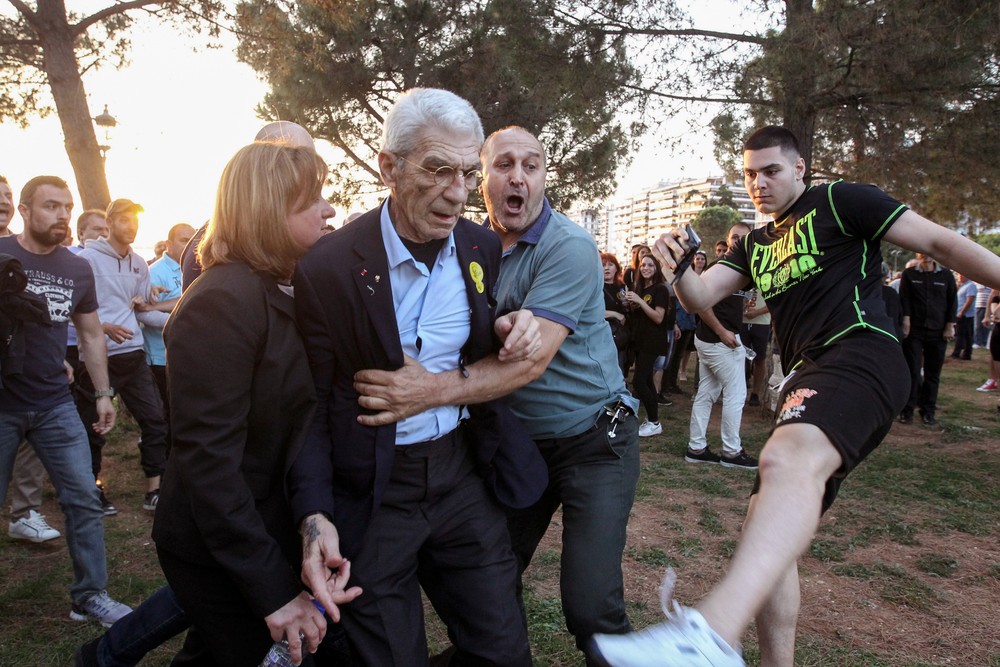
[{"x": 570, "y": 394}]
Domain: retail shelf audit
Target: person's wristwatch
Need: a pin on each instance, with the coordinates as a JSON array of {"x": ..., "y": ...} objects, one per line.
[{"x": 101, "y": 393}]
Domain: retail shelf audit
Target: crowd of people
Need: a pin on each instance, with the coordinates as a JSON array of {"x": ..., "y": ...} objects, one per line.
[
  {"x": 929, "y": 306},
  {"x": 655, "y": 337},
  {"x": 335, "y": 422}
]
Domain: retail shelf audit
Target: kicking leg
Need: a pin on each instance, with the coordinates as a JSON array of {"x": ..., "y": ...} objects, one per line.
[
  {"x": 776, "y": 622},
  {"x": 795, "y": 464}
]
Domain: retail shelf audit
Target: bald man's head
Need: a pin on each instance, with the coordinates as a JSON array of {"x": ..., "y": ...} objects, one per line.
[{"x": 286, "y": 132}]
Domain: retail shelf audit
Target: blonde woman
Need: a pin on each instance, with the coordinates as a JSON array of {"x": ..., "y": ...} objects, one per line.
[{"x": 241, "y": 394}]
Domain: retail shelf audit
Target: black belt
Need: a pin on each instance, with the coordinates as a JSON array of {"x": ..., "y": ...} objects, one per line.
[{"x": 427, "y": 447}]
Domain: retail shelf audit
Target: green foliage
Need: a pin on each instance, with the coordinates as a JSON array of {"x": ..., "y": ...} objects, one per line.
[
  {"x": 688, "y": 547},
  {"x": 336, "y": 68},
  {"x": 724, "y": 197},
  {"x": 713, "y": 222},
  {"x": 901, "y": 93},
  {"x": 727, "y": 548},
  {"x": 891, "y": 529},
  {"x": 990, "y": 241}
]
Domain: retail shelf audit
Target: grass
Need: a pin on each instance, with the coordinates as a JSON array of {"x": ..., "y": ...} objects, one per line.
[{"x": 911, "y": 545}]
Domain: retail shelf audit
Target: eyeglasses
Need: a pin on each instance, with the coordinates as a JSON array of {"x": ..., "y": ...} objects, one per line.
[{"x": 445, "y": 176}]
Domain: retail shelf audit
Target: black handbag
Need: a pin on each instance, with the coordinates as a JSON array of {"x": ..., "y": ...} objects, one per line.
[{"x": 621, "y": 334}]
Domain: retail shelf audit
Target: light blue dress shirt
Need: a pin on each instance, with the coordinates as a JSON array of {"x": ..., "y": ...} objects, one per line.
[{"x": 432, "y": 307}]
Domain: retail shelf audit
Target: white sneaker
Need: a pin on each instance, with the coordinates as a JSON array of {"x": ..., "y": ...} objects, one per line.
[
  {"x": 649, "y": 428},
  {"x": 989, "y": 385},
  {"x": 685, "y": 639},
  {"x": 101, "y": 607},
  {"x": 32, "y": 528}
]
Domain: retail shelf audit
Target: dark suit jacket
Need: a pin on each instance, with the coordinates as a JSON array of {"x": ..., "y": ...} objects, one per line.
[
  {"x": 343, "y": 297},
  {"x": 241, "y": 398}
]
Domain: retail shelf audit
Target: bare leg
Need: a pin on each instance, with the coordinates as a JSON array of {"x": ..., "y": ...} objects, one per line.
[
  {"x": 794, "y": 466},
  {"x": 685, "y": 357},
  {"x": 776, "y": 622}
]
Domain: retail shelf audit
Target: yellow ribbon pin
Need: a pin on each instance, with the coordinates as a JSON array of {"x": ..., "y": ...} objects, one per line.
[{"x": 476, "y": 273}]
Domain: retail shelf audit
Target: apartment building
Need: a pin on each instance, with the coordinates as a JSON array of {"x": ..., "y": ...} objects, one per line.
[{"x": 641, "y": 218}]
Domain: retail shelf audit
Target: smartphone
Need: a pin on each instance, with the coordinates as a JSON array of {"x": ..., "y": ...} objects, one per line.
[{"x": 693, "y": 243}]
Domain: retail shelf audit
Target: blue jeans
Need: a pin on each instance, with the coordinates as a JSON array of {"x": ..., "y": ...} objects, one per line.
[
  {"x": 149, "y": 625},
  {"x": 59, "y": 439},
  {"x": 982, "y": 333}
]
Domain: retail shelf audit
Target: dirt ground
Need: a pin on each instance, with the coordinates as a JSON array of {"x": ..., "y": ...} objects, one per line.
[{"x": 845, "y": 621}]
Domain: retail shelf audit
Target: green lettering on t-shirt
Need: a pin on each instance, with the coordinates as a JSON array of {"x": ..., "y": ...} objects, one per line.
[{"x": 788, "y": 260}]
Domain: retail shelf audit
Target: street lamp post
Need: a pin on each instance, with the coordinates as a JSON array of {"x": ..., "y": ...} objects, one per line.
[{"x": 106, "y": 122}]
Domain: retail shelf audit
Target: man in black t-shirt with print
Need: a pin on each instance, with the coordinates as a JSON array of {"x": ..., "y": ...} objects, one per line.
[
  {"x": 818, "y": 266},
  {"x": 35, "y": 400}
]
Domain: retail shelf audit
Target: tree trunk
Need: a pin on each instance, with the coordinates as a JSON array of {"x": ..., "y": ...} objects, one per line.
[
  {"x": 799, "y": 79},
  {"x": 63, "y": 72}
]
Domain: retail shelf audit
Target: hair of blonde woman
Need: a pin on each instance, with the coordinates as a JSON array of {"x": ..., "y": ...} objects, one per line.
[{"x": 261, "y": 185}]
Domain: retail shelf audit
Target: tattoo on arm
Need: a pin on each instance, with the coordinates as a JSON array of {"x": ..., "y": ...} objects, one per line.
[{"x": 310, "y": 531}]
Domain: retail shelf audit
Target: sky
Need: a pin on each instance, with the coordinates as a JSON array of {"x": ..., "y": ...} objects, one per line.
[{"x": 182, "y": 113}]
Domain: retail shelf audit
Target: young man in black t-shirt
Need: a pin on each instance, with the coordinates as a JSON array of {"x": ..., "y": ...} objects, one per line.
[{"x": 818, "y": 266}]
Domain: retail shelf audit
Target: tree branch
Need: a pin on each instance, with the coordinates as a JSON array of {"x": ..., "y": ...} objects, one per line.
[
  {"x": 9, "y": 41},
  {"x": 25, "y": 11},
  {"x": 686, "y": 32},
  {"x": 626, "y": 30},
  {"x": 697, "y": 98},
  {"x": 118, "y": 8},
  {"x": 339, "y": 142}
]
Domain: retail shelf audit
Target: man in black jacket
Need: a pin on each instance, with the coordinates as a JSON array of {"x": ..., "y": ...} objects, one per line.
[
  {"x": 412, "y": 282},
  {"x": 927, "y": 294}
]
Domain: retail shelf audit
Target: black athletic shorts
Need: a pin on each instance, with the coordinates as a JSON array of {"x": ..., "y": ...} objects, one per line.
[
  {"x": 852, "y": 390},
  {"x": 995, "y": 343}
]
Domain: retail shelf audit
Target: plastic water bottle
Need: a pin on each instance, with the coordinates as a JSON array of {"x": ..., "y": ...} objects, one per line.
[{"x": 278, "y": 655}]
